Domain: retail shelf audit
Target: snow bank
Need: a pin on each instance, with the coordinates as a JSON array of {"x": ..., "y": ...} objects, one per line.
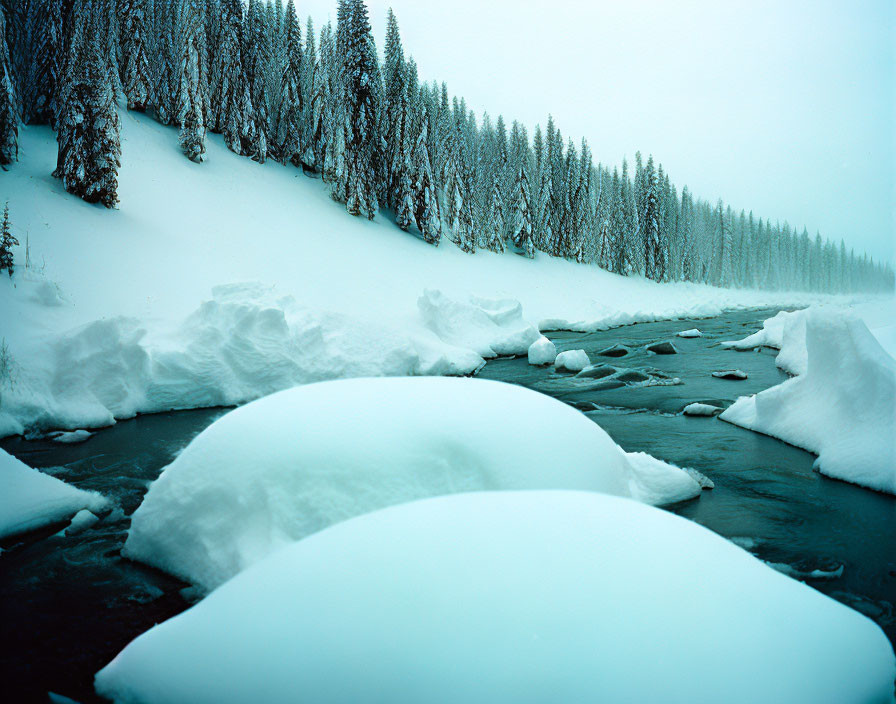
[
  {"x": 133, "y": 329},
  {"x": 542, "y": 351},
  {"x": 842, "y": 406},
  {"x": 572, "y": 361},
  {"x": 499, "y": 597},
  {"x": 30, "y": 499},
  {"x": 293, "y": 463}
]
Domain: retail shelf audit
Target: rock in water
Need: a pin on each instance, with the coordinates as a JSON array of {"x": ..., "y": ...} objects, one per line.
[
  {"x": 596, "y": 371},
  {"x": 614, "y": 351},
  {"x": 542, "y": 351},
  {"x": 701, "y": 409},
  {"x": 633, "y": 376},
  {"x": 734, "y": 374},
  {"x": 662, "y": 348},
  {"x": 572, "y": 361}
]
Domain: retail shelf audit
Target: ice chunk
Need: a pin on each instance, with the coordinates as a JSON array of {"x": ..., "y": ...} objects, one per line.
[
  {"x": 572, "y": 361},
  {"x": 72, "y": 437},
  {"x": 542, "y": 351},
  {"x": 693, "y": 332},
  {"x": 501, "y": 597},
  {"x": 295, "y": 462},
  {"x": 30, "y": 499}
]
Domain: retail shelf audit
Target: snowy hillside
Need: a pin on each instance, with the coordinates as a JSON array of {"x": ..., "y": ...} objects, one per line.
[{"x": 119, "y": 313}]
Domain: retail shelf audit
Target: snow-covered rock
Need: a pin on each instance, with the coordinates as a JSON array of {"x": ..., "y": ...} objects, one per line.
[
  {"x": 72, "y": 438},
  {"x": 30, "y": 499},
  {"x": 499, "y": 597},
  {"x": 701, "y": 409},
  {"x": 596, "y": 371},
  {"x": 614, "y": 351},
  {"x": 693, "y": 332},
  {"x": 842, "y": 407},
  {"x": 732, "y": 374},
  {"x": 572, "y": 361},
  {"x": 542, "y": 351},
  {"x": 82, "y": 521},
  {"x": 293, "y": 463}
]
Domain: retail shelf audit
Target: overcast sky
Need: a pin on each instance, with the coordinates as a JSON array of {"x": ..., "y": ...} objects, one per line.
[{"x": 784, "y": 107}]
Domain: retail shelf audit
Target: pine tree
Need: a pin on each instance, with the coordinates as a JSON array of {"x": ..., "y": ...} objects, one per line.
[
  {"x": 7, "y": 240},
  {"x": 426, "y": 203},
  {"x": 46, "y": 63},
  {"x": 394, "y": 111},
  {"x": 256, "y": 64},
  {"x": 494, "y": 230},
  {"x": 192, "y": 133},
  {"x": 136, "y": 75},
  {"x": 227, "y": 76},
  {"x": 88, "y": 135},
  {"x": 166, "y": 75},
  {"x": 9, "y": 128},
  {"x": 522, "y": 227},
  {"x": 191, "y": 99},
  {"x": 358, "y": 150},
  {"x": 292, "y": 104},
  {"x": 653, "y": 250}
]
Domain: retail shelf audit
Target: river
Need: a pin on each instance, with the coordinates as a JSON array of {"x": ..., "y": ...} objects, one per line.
[{"x": 68, "y": 604}]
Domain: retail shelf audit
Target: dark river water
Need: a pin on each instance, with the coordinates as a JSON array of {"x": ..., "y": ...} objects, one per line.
[{"x": 68, "y": 604}]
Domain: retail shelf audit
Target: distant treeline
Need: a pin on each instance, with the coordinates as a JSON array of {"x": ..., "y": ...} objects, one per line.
[{"x": 378, "y": 136}]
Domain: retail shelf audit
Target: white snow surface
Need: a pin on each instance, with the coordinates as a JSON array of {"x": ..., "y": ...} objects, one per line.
[
  {"x": 180, "y": 299},
  {"x": 295, "y": 462},
  {"x": 495, "y": 597},
  {"x": 842, "y": 404},
  {"x": 572, "y": 361},
  {"x": 542, "y": 351},
  {"x": 30, "y": 499}
]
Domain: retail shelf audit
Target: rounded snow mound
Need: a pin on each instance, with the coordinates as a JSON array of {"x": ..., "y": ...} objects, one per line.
[
  {"x": 492, "y": 597},
  {"x": 293, "y": 463}
]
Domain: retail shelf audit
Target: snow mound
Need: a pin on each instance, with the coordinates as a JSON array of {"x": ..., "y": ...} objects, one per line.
[
  {"x": 693, "y": 332},
  {"x": 572, "y": 361},
  {"x": 497, "y": 597},
  {"x": 542, "y": 351},
  {"x": 488, "y": 327},
  {"x": 72, "y": 438},
  {"x": 842, "y": 407},
  {"x": 30, "y": 499},
  {"x": 731, "y": 374},
  {"x": 296, "y": 462}
]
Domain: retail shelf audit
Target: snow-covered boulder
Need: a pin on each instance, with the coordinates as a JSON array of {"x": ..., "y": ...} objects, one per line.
[
  {"x": 731, "y": 374},
  {"x": 30, "y": 499},
  {"x": 614, "y": 351},
  {"x": 488, "y": 327},
  {"x": 693, "y": 332},
  {"x": 842, "y": 407},
  {"x": 542, "y": 351},
  {"x": 293, "y": 463},
  {"x": 500, "y": 597},
  {"x": 701, "y": 409},
  {"x": 572, "y": 361}
]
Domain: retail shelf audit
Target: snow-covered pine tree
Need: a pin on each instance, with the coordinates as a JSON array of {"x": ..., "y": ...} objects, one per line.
[
  {"x": 685, "y": 239},
  {"x": 426, "y": 202},
  {"x": 136, "y": 75},
  {"x": 291, "y": 107},
  {"x": 332, "y": 117},
  {"x": 165, "y": 61},
  {"x": 394, "y": 109},
  {"x": 88, "y": 131},
  {"x": 257, "y": 57},
  {"x": 650, "y": 231},
  {"x": 9, "y": 128},
  {"x": 191, "y": 99},
  {"x": 632, "y": 249},
  {"x": 494, "y": 223},
  {"x": 7, "y": 240},
  {"x": 358, "y": 149},
  {"x": 46, "y": 60},
  {"x": 522, "y": 220},
  {"x": 192, "y": 132}
]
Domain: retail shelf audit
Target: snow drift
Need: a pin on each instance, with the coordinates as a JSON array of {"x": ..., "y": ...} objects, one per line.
[
  {"x": 842, "y": 406},
  {"x": 293, "y": 463},
  {"x": 499, "y": 597},
  {"x": 30, "y": 499}
]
